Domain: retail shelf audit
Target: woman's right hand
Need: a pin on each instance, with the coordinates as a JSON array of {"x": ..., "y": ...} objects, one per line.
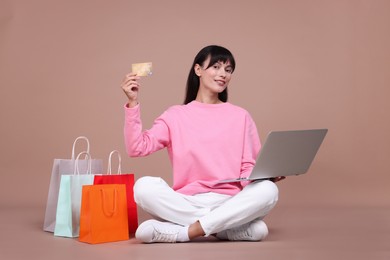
[{"x": 130, "y": 86}]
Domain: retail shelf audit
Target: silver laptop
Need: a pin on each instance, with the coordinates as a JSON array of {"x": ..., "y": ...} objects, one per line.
[{"x": 285, "y": 153}]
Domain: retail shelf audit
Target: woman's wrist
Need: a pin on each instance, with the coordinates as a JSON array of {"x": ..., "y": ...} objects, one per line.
[{"x": 132, "y": 103}]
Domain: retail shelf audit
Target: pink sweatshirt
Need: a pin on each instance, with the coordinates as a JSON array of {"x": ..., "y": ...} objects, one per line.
[{"x": 205, "y": 143}]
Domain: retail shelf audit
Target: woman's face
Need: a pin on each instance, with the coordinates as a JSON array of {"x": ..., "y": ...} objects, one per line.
[{"x": 216, "y": 78}]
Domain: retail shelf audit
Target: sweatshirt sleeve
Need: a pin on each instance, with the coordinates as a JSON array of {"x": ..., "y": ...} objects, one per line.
[
  {"x": 141, "y": 142},
  {"x": 251, "y": 149}
]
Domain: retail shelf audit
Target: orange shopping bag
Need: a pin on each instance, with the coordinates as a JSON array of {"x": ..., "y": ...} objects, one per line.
[{"x": 103, "y": 216}]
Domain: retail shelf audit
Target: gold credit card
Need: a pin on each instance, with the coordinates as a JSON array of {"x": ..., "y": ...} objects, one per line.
[{"x": 142, "y": 69}]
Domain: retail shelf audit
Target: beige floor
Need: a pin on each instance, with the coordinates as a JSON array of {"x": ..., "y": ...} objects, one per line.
[{"x": 331, "y": 232}]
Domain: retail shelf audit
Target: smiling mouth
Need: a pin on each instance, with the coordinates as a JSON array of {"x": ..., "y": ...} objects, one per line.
[{"x": 221, "y": 82}]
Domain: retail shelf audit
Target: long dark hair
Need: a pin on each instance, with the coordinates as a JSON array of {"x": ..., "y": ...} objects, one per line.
[{"x": 216, "y": 54}]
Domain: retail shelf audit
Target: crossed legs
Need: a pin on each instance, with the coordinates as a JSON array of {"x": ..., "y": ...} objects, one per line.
[{"x": 207, "y": 213}]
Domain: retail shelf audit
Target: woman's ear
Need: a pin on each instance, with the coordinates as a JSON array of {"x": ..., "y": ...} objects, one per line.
[{"x": 198, "y": 70}]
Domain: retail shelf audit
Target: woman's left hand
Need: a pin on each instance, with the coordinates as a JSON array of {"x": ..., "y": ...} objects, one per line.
[{"x": 276, "y": 179}]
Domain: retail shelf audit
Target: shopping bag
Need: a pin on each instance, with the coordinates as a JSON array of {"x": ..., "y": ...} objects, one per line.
[
  {"x": 62, "y": 167},
  {"x": 69, "y": 200},
  {"x": 103, "y": 214},
  {"x": 128, "y": 180}
]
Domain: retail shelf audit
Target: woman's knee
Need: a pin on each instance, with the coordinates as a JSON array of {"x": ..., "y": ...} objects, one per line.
[
  {"x": 145, "y": 187},
  {"x": 267, "y": 190}
]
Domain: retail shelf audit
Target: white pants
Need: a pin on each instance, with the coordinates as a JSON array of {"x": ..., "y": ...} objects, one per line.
[{"x": 215, "y": 212}]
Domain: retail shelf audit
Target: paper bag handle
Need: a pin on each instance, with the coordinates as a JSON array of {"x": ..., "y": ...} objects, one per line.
[
  {"x": 105, "y": 211},
  {"x": 76, "y": 163},
  {"x": 74, "y": 145},
  {"x": 119, "y": 162}
]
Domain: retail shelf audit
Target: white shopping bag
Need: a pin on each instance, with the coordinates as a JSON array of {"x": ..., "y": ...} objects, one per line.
[{"x": 65, "y": 167}]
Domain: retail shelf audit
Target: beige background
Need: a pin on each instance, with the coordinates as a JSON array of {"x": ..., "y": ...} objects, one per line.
[{"x": 300, "y": 64}]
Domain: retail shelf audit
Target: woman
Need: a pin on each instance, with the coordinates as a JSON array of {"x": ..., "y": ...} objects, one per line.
[{"x": 208, "y": 139}]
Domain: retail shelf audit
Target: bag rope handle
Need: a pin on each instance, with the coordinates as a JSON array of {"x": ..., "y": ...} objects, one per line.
[
  {"x": 119, "y": 162},
  {"x": 109, "y": 214},
  {"x": 76, "y": 163},
  {"x": 74, "y": 145}
]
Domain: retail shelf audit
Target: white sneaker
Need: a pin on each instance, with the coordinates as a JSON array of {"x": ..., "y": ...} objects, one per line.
[
  {"x": 153, "y": 231},
  {"x": 253, "y": 231}
]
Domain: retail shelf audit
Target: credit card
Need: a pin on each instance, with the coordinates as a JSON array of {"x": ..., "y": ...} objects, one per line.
[{"x": 142, "y": 69}]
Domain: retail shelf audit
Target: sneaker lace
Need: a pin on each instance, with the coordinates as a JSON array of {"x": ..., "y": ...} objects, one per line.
[
  {"x": 165, "y": 236},
  {"x": 241, "y": 233}
]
